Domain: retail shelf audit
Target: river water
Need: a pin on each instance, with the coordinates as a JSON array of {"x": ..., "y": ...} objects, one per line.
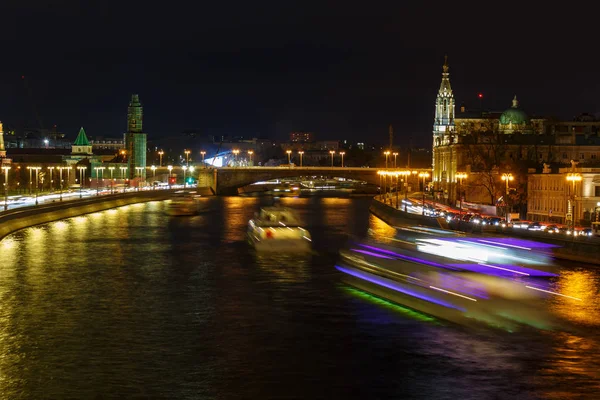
[{"x": 131, "y": 303}]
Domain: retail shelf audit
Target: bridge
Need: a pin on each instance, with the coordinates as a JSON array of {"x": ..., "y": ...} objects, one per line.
[{"x": 226, "y": 180}]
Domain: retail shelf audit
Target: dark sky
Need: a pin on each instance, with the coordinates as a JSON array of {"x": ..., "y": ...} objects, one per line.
[{"x": 342, "y": 70}]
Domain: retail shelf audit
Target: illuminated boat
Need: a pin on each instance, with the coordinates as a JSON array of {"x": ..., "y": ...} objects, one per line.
[
  {"x": 278, "y": 229},
  {"x": 183, "y": 204},
  {"x": 508, "y": 296}
]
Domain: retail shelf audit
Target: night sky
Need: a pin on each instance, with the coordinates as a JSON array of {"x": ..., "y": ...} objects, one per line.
[{"x": 342, "y": 70}]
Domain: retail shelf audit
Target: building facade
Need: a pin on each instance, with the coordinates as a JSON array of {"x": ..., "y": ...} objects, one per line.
[{"x": 486, "y": 145}]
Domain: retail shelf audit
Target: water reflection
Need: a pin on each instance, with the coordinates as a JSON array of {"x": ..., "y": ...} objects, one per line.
[
  {"x": 132, "y": 303},
  {"x": 583, "y": 285},
  {"x": 285, "y": 268}
]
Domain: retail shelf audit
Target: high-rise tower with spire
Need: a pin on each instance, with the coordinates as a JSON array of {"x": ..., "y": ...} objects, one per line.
[
  {"x": 135, "y": 140},
  {"x": 444, "y": 162},
  {"x": 2, "y": 149}
]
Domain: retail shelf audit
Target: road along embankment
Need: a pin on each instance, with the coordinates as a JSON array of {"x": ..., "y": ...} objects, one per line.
[
  {"x": 578, "y": 249},
  {"x": 24, "y": 217}
]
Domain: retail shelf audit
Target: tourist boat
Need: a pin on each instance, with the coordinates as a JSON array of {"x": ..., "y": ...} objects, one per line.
[
  {"x": 465, "y": 291},
  {"x": 278, "y": 228},
  {"x": 183, "y": 204}
]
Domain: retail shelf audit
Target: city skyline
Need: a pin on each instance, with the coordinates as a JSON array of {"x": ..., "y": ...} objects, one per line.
[{"x": 342, "y": 74}]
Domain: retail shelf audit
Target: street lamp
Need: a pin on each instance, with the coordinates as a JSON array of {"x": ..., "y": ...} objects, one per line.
[
  {"x": 506, "y": 177},
  {"x": 395, "y": 154},
  {"x": 123, "y": 170},
  {"x": 235, "y": 153},
  {"x": 460, "y": 176},
  {"x": 97, "y": 181},
  {"x": 111, "y": 169},
  {"x": 184, "y": 169},
  {"x": 187, "y": 157},
  {"x": 191, "y": 171},
  {"x": 573, "y": 178},
  {"x": 81, "y": 177},
  {"x": 203, "y": 153},
  {"x": 424, "y": 175},
  {"x": 139, "y": 171},
  {"x": 250, "y": 152},
  {"x": 332, "y": 153},
  {"x": 342, "y": 154},
  {"x": 289, "y": 153},
  {"x": 5, "y": 168},
  {"x": 153, "y": 168},
  {"x": 386, "y": 153},
  {"x": 36, "y": 169},
  {"x": 51, "y": 169},
  {"x": 160, "y": 154},
  {"x": 301, "y": 153},
  {"x": 170, "y": 168},
  {"x": 60, "y": 170}
]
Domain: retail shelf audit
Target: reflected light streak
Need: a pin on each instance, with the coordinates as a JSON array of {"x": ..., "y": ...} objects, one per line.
[
  {"x": 455, "y": 294},
  {"x": 548, "y": 291},
  {"x": 388, "y": 304},
  {"x": 395, "y": 287}
]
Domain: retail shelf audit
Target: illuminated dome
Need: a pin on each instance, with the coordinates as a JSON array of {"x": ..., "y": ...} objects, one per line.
[{"x": 514, "y": 115}]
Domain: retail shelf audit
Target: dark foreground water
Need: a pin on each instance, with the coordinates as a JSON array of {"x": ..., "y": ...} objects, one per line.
[{"x": 130, "y": 303}]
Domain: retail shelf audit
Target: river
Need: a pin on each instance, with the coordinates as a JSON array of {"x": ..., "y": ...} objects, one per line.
[{"x": 131, "y": 303}]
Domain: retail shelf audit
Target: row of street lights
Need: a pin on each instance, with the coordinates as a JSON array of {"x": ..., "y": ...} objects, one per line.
[
  {"x": 387, "y": 153},
  {"x": 187, "y": 156}
]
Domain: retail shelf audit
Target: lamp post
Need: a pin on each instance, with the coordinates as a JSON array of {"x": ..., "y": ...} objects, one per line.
[
  {"x": 250, "y": 152},
  {"x": 51, "y": 170},
  {"x": 81, "y": 177},
  {"x": 112, "y": 181},
  {"x": 342, "y": 154},
  {"x": 203, "y": 153},
  {"x": 123, "y": 170},
  {"x": 423, "y": 175},
  {"x": 191, "y": 171},
  {"x": 235, "y": 153},
  {"x": 153, "y": 168},
  {"x": 101, "y": 169},
  {"x": 332, "y": 153},
  {"x": 5, "y": 169},
  {"x": 30, "y": 182},
  {"x": 460, "y": 176},
  {"x": 187, "y": 157},
  {"x": 160, "y": 154},
  {"x": 301, "y": 153},
  {"x": 60, "y": 170},
  {"x": 184, "y": 169},
  {"x": 395, "y": 154},
  {"x": 386, "y": 153},
  {"x": 506, "y": 177},
  {"x": 170, "y": 168},
  {"x": 97, "y": 181},
  {"x": 573, "y": 178},
  {"x": 139, "y": 172},
  {"x": 289, "y": 153}
]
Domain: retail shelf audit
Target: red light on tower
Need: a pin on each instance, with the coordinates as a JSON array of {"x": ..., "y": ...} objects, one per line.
[{"x": 480, "y": 95}]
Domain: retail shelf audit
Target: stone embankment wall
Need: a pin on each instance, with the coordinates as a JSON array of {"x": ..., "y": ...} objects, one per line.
[
  {"x": 395, "y": 217},
  {"x": 19, "y": 218}
]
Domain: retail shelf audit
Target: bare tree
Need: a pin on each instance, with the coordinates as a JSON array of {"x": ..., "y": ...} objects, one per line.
[{"x": 486, "y": 153}]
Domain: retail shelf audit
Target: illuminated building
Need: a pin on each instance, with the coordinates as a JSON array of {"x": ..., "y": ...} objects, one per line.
[
  {"x": 135, "y": 139},
  {"x": 486, "y": 144}
]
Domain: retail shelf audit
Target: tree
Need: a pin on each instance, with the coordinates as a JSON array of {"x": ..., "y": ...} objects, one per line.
[{"x": 486, "y": 154}]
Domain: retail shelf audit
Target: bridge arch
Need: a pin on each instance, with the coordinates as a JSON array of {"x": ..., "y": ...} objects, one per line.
[{"x": 227, "y": 180}]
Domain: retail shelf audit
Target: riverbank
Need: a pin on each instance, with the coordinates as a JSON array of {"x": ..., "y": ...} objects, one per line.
[
  {"x": 578, "y": 250},
  {"x": 24, "y": 217}
]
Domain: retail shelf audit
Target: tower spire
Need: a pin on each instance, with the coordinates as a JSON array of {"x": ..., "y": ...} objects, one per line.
[
  {"x": 391, "y": 132},
  {"x": 2, "y": 149}
]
